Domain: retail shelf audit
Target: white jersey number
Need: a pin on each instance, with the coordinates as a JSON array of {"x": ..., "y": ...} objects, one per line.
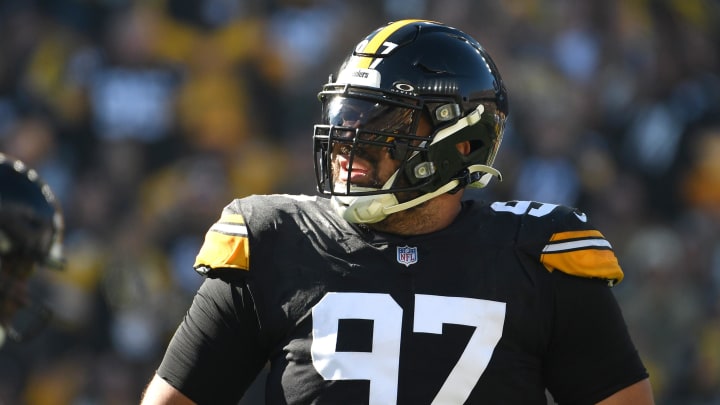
[
  {"x": 536, "y": 209},
  {"x": 381, "y": 365}
]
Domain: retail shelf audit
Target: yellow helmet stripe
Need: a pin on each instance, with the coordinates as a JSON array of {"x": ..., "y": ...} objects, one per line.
[{"x": 376, "y": 42}]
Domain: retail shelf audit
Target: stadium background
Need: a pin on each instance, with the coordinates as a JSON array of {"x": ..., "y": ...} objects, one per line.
[{"x": 147, "y": 117}]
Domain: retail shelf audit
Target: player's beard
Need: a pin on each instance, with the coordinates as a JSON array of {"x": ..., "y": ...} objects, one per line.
[
  {"x": 402, "y": 222},
  {"x": 372, "y": 158}
]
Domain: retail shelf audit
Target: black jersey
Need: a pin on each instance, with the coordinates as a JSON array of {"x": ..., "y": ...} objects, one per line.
[{"x": 508, "y": 301}]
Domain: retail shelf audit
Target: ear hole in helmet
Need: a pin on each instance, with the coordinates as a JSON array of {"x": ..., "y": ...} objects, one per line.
[
  {"x": 464, "y": 147},
  {"x": 476, "y": 144}
]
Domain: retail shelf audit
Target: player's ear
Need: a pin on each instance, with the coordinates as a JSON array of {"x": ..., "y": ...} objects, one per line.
[{"x": 463, "y": 147}]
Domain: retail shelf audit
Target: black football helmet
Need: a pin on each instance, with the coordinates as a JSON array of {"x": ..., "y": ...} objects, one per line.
[
  {"x": 400, "y": 73},
  {"x": 31, "y": 229}
]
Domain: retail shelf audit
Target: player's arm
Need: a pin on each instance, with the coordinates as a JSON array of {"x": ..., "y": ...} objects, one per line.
[
  {"x": 639, "y": 393},
  {"x": 216, "y": 352},
  {"x": 591, "y": 357},
  {"x": 160, "y": 392}
]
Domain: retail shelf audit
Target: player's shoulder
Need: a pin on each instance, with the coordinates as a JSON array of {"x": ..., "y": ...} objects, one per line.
[
  {"x": 523, "y": 222},
  {"x": 260, "y": 214},
  {"x": 536, "y": 219},
  {"x": 272, "y": 205},
  {"x": 560, "y": 237},
  {"x": 541, "y": 211},
  {"x": 227, "y": 241}
]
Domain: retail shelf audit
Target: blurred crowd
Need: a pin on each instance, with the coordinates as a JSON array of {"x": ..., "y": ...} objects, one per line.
[{"x": 147, "y": 117}]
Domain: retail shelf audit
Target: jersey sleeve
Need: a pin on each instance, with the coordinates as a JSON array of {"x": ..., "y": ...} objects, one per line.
[
  {"x": 591, "y": 355},
  {"x": 226, "y": 246},
  {"x": 215, "y": 354},
  {"x": 565, "y": 240}
]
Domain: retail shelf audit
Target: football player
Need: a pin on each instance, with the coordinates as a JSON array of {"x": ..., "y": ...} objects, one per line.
[
  {"x": 389, "y": 288},
  {"x": 31, "y": 228}
]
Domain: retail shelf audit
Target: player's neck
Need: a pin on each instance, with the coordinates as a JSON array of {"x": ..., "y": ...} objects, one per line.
[{"x": 431, "y": 216}]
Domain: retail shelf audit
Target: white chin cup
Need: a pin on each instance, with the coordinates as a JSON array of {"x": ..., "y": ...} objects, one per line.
[{"x": 366, "y": 209}]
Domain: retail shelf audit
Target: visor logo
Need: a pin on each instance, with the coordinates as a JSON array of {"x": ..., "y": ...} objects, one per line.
[
  {"x": 404, "y": 87},
  {"x": 361, "y": 77},
  {"x": 407, "y": 255}
]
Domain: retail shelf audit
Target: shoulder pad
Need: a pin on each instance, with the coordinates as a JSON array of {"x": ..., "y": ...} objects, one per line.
[
  {"x": 562, "y": 238},
  {"x": 226, "y": 245}
]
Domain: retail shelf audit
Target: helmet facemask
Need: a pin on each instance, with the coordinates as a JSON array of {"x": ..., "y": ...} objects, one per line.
[
  {"x": 368, "y": 128},
  {"x": 363, "y": 129}
]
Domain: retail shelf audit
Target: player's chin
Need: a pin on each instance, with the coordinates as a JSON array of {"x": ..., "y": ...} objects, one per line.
[
  {"x": 341, "y": 187},
  {"x": 342, "y": 178}
]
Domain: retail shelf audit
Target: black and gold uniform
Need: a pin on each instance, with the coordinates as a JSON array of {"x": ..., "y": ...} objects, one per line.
[{"x": 510, "y": 300}]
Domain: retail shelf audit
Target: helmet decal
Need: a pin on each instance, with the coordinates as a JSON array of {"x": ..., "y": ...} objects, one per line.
[
  {"x": 366, "y": 51},
  {"x": 360, "y": 77}
]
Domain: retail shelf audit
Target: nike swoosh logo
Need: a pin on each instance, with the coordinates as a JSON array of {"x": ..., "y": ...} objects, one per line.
[{"x": 582, "y": 217}]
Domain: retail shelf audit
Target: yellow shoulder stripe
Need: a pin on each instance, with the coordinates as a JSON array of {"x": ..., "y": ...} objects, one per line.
[
  {"x": 379, "y": 39},
  {"x": 582, "y": 253},
  {"x": 226, "y": 244}
]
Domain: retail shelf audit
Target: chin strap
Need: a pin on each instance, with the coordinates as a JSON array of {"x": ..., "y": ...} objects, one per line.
[
  {"x": 369, "y": 209},
  {"x": 477, "y": 180}
]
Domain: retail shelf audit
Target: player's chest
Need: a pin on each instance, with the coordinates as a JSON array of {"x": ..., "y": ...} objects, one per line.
[
  {"x": 400, "y": 285},
  {"x": 420, "y": 349},
  {"x": 423, "y": 332}
]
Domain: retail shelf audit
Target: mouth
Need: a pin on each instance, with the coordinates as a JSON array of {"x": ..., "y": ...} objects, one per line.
[{"x": 359, "y": 172}]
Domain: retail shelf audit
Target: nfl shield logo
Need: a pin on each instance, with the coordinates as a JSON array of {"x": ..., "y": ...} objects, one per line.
[{"x": 407, "y": 255}]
